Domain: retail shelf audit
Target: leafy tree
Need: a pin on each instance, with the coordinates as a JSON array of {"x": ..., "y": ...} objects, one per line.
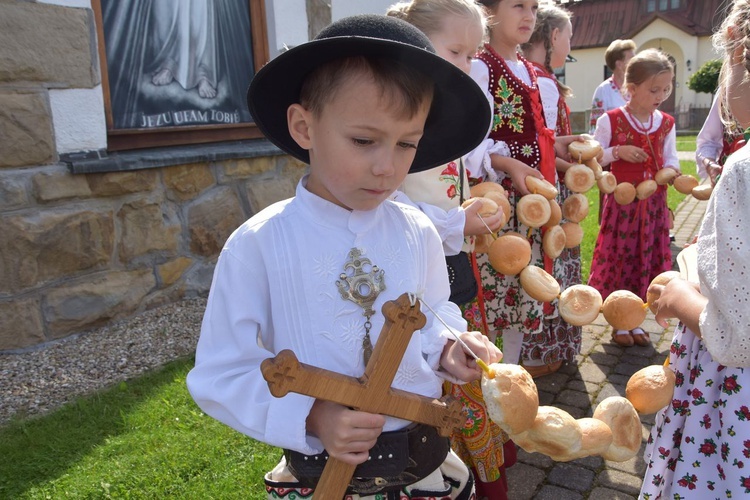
[{"x": 706, "y": 79}]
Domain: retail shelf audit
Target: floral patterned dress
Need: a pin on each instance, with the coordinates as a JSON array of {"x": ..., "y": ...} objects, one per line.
[{"x": 633, "y": 244}]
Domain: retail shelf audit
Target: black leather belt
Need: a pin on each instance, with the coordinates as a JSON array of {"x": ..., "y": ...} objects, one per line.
[{"x": 399, "y": 458}]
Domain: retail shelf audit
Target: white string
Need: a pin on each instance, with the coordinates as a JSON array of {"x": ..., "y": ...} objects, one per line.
[{"x": 450, "y": 329}]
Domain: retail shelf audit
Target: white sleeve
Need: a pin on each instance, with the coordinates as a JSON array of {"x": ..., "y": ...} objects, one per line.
[
  {"x": 710, "y": 140},
  {"x": 449, "y": 223},
  {"x": 550, "y": 100},
  {"x": 603, "y": 135},
  {"x": 724, "y": 266},
  {"x": 670, "y": 150}
]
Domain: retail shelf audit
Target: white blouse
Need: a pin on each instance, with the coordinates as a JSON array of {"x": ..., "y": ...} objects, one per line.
[
  {"x": 274, "y": 288},
  {"x": 724, "y": 264}
]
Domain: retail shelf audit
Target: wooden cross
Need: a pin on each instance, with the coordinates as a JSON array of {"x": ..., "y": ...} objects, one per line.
[{"x": 371, "y": 392}]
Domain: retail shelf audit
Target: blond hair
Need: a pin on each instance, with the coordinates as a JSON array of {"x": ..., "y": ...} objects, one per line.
[
  {"x": 616, "y": 52},
  {"x": 738, "y": 22},
  {"x": 428, "y": 15},
  {"x": 645, "y": 65},
  {"x": 549, "y": 17}
]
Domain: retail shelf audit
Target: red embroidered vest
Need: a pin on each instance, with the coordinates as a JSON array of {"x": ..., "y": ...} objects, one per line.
[
  {"x": 562, "y": 127},
  {"x": 623, "y": 133}
]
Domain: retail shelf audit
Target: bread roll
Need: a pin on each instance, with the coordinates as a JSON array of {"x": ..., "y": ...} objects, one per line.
[
  {"x": 553, "y": 242},
  {"x": 584, "y": 150},
  {"x": 607, "y": 183},
  {"x": 489, "y": 207},
  {"x": 539, "y": 284},
  {"x": 554, "y": 433},
  {"x": 483, "y": 188},
  {"x": 596, "y": 437},
  {"x": 579, "y": 178},
  {"x": 624, "y": 310},
  {"x": 573, "y": 234},
  {"x": 533, "y": 210},
  {"x": 702, "y": 192},
  {"x": 650, "y": 389},
  {"x": 502, "y": 202},
  {"x": 660, "y": 279},
  {"x": 483, "y": 242},
  {"x": 555, "y": 214},
  {"x": 624, "y": 193},
  {"x": 575, "y": 208},
  {"x": 622, "y": 419},
  {"x": 509, "y": 254},
  {"x": 511, "y": 397},
  {"x": 685, "y": 183},
  {"x": 595, "y": 167},
  {"x": 580, "y": 304},
  {"x": 646, "y": 188},
  {"x": 541, "y": 186},
  {"x": 665, "y": 176}
]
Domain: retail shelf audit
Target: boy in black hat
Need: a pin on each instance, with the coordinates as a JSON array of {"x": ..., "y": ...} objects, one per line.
[{"x": 364, "y": 103}]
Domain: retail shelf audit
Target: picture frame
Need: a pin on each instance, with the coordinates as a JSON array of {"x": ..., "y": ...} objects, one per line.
[{"x": 177, "y": 72}]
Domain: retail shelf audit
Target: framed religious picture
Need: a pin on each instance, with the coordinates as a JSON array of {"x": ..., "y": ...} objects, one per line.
[{"x": 177, "y": 71}]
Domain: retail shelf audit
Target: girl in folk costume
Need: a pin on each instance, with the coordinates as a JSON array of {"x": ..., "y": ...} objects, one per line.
[
  {"x": 633, "y": 244},
  {"x": 699, "y": 447},
  {"x": 519, "y": 145},
  {"x": 547, "y": 49},
  {"x": 456, "y": 29}
]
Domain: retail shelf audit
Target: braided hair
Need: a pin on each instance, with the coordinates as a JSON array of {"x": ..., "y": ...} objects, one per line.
[{"x": 548, "y": 18}]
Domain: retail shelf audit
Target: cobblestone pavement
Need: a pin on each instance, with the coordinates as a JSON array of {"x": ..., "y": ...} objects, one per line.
[{"x": 601, "y": 370}]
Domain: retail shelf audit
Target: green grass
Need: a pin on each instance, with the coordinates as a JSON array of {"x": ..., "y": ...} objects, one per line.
[
  {"x": 590, "y": 224},
  {"x": 686, "y": 143},
  {"x": 147, "y": 439},
  {"x": 142, "y": 439}
]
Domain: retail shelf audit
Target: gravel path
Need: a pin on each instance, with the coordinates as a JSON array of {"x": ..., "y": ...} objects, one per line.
[{"x": 43, "y": 379}]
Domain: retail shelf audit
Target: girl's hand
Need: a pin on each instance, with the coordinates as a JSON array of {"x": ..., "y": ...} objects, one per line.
[
  {"x": 346, "y": 434},
  {"x": 518, "y": 171},
  {"x": 679, "y": 299},
  {"x": 633, "y": 154},
  {"x": 462, "y": 365},
  {"x": 474, "y": 226}
]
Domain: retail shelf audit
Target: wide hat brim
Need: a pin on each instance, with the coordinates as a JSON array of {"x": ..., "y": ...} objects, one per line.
[{"x": 459, "y": 117}]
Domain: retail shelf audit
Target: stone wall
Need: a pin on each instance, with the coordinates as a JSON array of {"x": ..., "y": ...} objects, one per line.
[{"x": 80, "y": 250}]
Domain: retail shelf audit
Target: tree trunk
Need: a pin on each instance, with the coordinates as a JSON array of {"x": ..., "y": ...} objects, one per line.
[{"x": 318, "y": 16}]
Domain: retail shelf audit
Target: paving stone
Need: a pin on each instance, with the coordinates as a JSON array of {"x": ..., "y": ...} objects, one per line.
[
  {"x": 608, "y": 494},
  {"x": 620, "y": 481},
  {"x": 523, "y": 481},
  {"x": 603, "y": 358},
  {"x": 576, "y": 399},
  {"x": 571, "y": 477},
  {"x": 555, "y": 493}
]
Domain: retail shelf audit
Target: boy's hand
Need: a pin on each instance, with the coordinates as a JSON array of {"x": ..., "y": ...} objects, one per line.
[
  {"x": 473, "y": 224},
  {"x": 347, "y": 435},
  {"x": 461, "y": 364}
]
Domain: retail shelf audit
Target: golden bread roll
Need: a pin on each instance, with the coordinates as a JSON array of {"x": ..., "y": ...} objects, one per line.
[
  {"x": 541, "y": 186},
  {"x": 575, "y": 208},
  {"x": 584, "y": 150},
  {"x": 554, "y": 433},
  {"x": 539, "y": 284},
  {"x": 650, "y": 389},
  {"x": 607, "y": 183},
  {"x": 553, "y": 242},
  {"x": 580, "y": 304},
  {"x": 511, "y": 397},
  {"x": 533, "y": 210},
  {"x": 509, "y": 253},
  {"x": 622, "y": 419},
  {"x": 482, "y": 243},
  {"x": 595, "y": 167},
  {"x": 624, "y": 193},
  {"x": 596, "y": 437},
  {"x": 646, "y": 188},
  {"x": 573, "y": 234},
  {"x": 481, "y": 189},
  {"x": 685, "y": 183},
  {"x": 661, "y": 279},
  {"x": 579, "y": 178},
  {"x": 502, "y": 203},
  {"x": 665, "y": 176},
  {"x": 555, "y": 214},
  {"x": 489, "y": 207},
  {"x": 702, "y": 192},
  {"x": 624, "y": 310}
]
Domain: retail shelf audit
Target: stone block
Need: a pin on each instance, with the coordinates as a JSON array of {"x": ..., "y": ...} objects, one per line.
[
  {"x": 263, "y": 194},
  {"x": 12, "y": 192},
  {"x": 51, "y": 245},
  {"x": 212, "y": 219},
  {"x": 185, "y": 182},
  {"x": 49, "y": 44},
  {"x": 247, "y": 167},
  {"x": 20, "y": 324},
  {"x": 147, "y": 227},
  {"x": 120, "y": 183},
  {"x": 59, "y": 185},
  {"x": 171, "y": 271},
  {"x": 95, "y": 301},
  {"x": 25, "y": 128}
]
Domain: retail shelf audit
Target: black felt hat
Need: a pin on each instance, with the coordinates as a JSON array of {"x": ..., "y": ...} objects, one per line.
[{"x": 460, "y": 114}]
